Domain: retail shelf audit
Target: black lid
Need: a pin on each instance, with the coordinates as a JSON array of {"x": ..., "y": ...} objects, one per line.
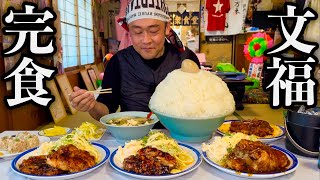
[{"x": 304, "y": 119}]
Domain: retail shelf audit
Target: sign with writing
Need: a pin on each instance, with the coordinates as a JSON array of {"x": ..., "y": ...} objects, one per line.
[
  {"x": 184, "y": 19},
  {"x": 218, "y": 39}
]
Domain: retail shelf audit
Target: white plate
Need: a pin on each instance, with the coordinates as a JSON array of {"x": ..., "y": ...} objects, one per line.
[
  {"x": 193, "y": 152},
  {"x": 7, "y": 155},
  {"x": 68, "y": 130},
  {"x": 103, "y": 151},
  {"x": 291, "y": 167},
  {"x": 264, "y": 140}
]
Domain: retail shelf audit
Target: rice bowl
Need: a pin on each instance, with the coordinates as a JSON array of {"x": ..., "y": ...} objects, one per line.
[{"x": 192, "y": 104}]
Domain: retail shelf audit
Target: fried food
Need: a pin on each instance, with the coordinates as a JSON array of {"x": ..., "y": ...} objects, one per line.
[
  {"x": 256, "y": 157},
  {"x": 256, "y": 127},
  {"x": 165, "y": 158},
  {"x": 70, "y": 158},
  {"x": 37, "y": 165},
  {"x": 150, "y": 161}
]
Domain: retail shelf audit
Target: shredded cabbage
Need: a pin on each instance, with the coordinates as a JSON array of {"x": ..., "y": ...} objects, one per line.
[
  {"x": 162, "y": 142},
  {"x": 75, "y": 139},
  {"x": 89, "y": 131}
]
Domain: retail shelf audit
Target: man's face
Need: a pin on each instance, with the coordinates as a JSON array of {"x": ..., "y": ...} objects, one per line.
[{"x": 148, "y": 36}]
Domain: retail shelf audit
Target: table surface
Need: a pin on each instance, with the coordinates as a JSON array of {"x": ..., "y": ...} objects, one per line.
[{"x": 307, "y": 168}]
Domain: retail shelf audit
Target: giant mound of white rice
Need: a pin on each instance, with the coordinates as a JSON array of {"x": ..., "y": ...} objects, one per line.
[{"x": 192, "y": 95}]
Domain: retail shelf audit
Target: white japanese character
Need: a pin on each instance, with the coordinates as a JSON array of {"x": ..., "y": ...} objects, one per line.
[
  {"x": 26, "y": 78},
  {"x": 291, "y": 39},
  {"x": 22, "y": 28},
  {"x": 287, "y": 85},
  {"x": 299, "y": 91}
]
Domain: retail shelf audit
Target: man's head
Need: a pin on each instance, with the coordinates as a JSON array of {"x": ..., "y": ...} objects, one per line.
[{"x": 148, "y": 23}]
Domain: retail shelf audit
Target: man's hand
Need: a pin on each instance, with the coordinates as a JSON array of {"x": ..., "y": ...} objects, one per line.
[{"x": 82, "y": 100}]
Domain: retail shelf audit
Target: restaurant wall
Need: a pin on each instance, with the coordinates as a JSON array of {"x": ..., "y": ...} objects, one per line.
[
  {"x": 224, "y": 52},
  {"x": 215, "y": 53},
  {"x": 4, "y": 121}
]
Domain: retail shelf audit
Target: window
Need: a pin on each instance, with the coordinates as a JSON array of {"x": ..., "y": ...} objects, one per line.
[{"x": 77, "y": 32}]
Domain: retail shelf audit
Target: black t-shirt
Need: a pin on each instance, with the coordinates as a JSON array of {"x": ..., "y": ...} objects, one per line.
[
  {"x": 112, "y": 78},
  {"x": 155, "y": 63}
]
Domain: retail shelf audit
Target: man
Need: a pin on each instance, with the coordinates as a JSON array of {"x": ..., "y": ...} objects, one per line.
[{"x": 133, "y": 73}]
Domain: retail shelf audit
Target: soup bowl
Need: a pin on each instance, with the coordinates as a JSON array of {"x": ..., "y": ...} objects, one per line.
[{"x": 127, "y": 133}]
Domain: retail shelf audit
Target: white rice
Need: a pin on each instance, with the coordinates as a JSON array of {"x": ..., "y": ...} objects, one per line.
[
  {"x": 193, "y": 95},
  {"x": 219, "y": 147}
]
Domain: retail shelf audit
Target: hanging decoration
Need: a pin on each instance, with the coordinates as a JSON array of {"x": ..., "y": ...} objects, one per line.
[{"x": 255, "y": 47}]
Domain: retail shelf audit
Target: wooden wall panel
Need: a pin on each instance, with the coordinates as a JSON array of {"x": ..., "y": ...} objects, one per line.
[
  {"x": 29, "y": 117},
  {"x": 75, "y": 78},
  {"x": 4, "y": 119},
  {"x": 216, "y": 53}
]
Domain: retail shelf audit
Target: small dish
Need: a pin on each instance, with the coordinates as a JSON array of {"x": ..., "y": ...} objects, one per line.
[
  {"x": 41, "y": 132},
  {"x": 7, "y": 155}
]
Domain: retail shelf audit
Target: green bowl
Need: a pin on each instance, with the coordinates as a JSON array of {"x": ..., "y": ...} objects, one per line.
[
  {"x": 127, "y": 133},
  {"x": 189, "y": 129}
]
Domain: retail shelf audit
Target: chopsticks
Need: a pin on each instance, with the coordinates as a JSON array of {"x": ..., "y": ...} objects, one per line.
[{"x": 101, "y": 91}]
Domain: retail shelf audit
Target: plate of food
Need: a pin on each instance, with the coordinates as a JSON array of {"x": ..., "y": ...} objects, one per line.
[
  {"x": 159, "y": 157},
  {"x": 13, "y": 144},
  {"x": 245, "y": 156},
  {"x": 264, "y": 131},
  {"x": 90, "y": 131},
  {"x": 55, "y": 131},
  {"x": 69, "y": 157}
]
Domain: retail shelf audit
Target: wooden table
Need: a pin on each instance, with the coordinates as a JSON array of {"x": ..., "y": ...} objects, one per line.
[{"x": 237, "y": 88}]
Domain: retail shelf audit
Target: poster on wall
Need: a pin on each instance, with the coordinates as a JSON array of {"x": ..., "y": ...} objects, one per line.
[
  {"x": 218, "y": 39},
  {"x": 234, "y": 17}
]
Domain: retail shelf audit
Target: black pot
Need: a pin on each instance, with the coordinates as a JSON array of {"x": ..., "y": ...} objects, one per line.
[{"x": 303, "y": 132}]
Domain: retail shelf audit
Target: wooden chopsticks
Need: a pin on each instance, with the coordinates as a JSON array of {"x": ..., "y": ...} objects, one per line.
[{"x": 101, "y": 91}]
